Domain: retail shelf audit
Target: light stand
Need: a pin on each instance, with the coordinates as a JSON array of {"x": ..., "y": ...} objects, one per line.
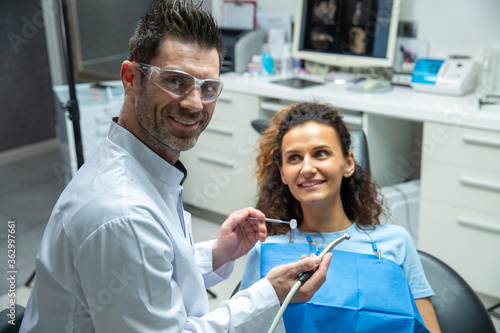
[{"x": 72, "y": 105}]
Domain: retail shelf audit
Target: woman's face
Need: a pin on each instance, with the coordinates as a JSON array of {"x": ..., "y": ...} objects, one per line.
[{"x": 313, "y": 164}]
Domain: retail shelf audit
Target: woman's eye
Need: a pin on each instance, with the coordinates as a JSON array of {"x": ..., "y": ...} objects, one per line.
[
  {"x": 293, "y": 158},
  {"x": 321, "y": 153}
]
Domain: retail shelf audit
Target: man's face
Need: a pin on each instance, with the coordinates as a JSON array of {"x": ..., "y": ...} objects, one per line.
[{"x": 173, "y": 123}]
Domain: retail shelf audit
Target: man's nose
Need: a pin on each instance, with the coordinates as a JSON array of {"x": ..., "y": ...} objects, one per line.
[{"x": 192, "y": 100}]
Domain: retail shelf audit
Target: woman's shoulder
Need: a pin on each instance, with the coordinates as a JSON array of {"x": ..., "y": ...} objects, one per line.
[
  {"x": 387, "y": 231},
  {"x": 394, "y": 232},
  {"x": 392, "y": 229}
]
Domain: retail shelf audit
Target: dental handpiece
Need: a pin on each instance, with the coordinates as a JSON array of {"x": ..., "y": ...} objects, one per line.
[
  {"x": 306, "y": 275},
  {"x": 292, "y": 222}
]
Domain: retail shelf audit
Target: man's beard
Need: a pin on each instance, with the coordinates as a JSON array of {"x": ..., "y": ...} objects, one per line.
[{"x": 158, "y": 130}]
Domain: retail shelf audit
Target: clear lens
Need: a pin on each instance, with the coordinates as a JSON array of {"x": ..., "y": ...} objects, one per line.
[
  {"x": 210, "y": 89},
  {"x": 180, "y": 83},
  {"x": 176, "y": 83}
]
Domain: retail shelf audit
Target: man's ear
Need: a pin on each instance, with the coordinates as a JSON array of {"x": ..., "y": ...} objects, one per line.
[
  {"x": 127, "y": 75},
  {"x": 350, "y": 165}
]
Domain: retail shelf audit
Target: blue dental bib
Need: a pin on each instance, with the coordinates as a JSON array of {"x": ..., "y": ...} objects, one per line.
[{"x": 360, "y": 294}]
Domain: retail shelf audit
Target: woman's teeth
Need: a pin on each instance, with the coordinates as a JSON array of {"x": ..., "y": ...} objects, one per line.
[{"x": 310, "y": 184}]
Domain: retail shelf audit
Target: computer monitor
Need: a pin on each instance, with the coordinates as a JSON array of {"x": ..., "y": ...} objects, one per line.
[{"x": 346, "y": 33}]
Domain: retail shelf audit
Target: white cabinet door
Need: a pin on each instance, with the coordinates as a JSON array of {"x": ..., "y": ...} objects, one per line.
[{"x": 222, "y": 163}]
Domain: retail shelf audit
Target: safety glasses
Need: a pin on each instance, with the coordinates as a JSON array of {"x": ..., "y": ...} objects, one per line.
[{"x": 180, "y": 83}]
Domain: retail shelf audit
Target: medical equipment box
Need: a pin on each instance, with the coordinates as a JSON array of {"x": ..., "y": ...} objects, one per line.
[
  {"x": 240, "y": 45},
  {"x": 450, "y": 76}
]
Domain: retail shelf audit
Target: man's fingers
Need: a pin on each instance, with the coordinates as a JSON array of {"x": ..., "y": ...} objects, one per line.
[
  {"x": 283, "y": 277},
  {"x": 307, "y": 290},
  {"x": 319, "y": 275},
  {"x": 305, "y": 264}
]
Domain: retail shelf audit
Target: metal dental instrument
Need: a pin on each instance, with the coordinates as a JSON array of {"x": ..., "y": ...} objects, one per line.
[
  {"x": 292, "y": 222},
  {"x": 303, "y": 278}
]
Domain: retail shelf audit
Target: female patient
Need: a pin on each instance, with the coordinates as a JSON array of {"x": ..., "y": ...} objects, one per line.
[{"x": 375, "y": 282}]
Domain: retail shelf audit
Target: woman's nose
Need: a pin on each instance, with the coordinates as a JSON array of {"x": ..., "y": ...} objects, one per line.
[{"x": 308, "y": 166}]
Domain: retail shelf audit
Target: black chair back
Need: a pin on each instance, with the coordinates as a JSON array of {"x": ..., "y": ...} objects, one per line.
[
  {"x": 359, "y": 147},
  {"x": 10, "y": 319},
  {"x": 458, "y": 308}
]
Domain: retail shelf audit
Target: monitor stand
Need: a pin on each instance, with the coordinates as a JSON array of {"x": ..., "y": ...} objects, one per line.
[{"x": 297, "y": 83}]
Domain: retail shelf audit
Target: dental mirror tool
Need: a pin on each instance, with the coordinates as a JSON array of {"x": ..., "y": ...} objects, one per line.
[
  {"x": 292, "y": 222},
  {"x": 303, "y": 278}
]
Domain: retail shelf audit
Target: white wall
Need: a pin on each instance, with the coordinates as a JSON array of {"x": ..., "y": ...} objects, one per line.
[
  {"x": 455, "y": 26},
  {"x": 451, "y": 26}
]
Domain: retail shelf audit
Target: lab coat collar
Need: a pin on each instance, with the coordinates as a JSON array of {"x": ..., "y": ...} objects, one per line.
[{"x": 157, "y": 166}]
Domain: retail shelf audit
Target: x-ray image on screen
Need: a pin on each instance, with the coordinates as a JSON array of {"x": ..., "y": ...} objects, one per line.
[
  {"x": 341, "y": 26},
  {"x": 362, "y": 32}
]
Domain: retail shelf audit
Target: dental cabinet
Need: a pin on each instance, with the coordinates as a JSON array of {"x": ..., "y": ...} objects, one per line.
[
  {"x": 460, "y": 202},
  {"x": 448, "y": 142}
]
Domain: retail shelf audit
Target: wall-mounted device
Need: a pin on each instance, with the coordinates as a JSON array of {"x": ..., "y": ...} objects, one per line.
[
  {"x": 450, "y": 76},
  {"x": 240, "y": 45}
]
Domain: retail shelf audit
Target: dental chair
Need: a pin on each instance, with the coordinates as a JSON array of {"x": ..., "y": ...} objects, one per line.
[
  {"x": 9, "y": 324},
  {"x": 458, "y": 308}
]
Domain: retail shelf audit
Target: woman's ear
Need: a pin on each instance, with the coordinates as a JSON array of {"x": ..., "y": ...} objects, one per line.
[
  {"x": 350, "y": 165},
  {"x": 282, "y": 176}
]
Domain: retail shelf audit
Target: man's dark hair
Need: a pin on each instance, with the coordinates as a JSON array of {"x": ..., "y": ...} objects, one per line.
[{"x": 181, "y": 19}]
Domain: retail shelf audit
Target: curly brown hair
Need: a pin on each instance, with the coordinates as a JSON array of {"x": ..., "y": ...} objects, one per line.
[
  {"x": 360, "y": 195},
  {"x": 181, "y": 19}
]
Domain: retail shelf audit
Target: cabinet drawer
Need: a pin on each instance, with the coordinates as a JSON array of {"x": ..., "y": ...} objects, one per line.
[
  {"x": 470, "y": 188},
  {"x": 241, "y": 140},
  {"x": 461, "y": 146},
  {"x": 218, "y": 182},
  {"x": 464, "y": 239},
  {"x": 236, "y": 108}
]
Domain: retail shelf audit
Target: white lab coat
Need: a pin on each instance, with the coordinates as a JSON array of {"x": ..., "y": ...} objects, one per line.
[{"x": 118, "y": 255}]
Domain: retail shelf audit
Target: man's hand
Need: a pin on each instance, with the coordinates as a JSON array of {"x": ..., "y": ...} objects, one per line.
[
  {"x": 238, "y": 235},
  {"x": 284, "y": 277}
]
